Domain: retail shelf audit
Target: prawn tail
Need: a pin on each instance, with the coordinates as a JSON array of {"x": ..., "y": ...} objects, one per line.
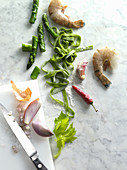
[
  {"x": 104, "y": 80},
  {"x": 78, "y": 23}
]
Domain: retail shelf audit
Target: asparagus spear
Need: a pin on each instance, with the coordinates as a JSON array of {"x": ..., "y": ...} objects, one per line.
[
  {"x": 34, "y": 45},
  {"x": 35, "y": 72},
  {"x": 31, "y": 61},
  {"x": 33, "y": 53},
  {"x": 48, "y": 28},
  {"x": 26, "y": 47},
  {"x": 34, "y": 11},
  {"x": 41, "y": 38}
]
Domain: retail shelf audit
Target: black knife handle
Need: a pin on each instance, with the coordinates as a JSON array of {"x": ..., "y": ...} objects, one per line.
[{"x": 39, "y": 165}]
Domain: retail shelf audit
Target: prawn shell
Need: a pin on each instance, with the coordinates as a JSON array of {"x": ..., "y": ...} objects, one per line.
[
  {"x": 31, "y": 111},
  {"x": 21, "y": 95}
]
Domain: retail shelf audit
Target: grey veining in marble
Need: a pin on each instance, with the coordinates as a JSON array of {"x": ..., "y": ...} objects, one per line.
[{"x": 102, "y": 136}]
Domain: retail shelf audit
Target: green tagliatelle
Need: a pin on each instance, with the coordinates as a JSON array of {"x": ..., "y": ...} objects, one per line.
[{"x": 65, "y": 47}]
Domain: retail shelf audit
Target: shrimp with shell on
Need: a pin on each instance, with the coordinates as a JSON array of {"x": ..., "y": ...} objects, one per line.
[
  {"x": 102, "y": 59},
  {"x": 56, "y": 12}
]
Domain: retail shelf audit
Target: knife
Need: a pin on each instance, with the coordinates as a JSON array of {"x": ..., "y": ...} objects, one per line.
[{"x": 23, "y": 139}]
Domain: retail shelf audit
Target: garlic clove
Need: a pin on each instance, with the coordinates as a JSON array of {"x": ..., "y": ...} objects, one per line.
[
  {"x": 20, "y": 108},
  {"x": 81, "y": 69},
  {"x": 41, "y": 129},
  {"x": 31, "y": 111}
]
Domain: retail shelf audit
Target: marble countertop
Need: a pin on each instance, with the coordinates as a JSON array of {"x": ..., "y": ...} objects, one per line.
[{"x": 102, "y": 137}]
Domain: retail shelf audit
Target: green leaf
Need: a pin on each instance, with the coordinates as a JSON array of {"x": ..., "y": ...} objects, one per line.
[
  {"x": 61, "y": 124},
  {"x": 63, "y": 132}
]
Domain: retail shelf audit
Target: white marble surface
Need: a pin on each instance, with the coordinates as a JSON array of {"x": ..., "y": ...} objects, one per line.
[{"x": 102, "y": 137}]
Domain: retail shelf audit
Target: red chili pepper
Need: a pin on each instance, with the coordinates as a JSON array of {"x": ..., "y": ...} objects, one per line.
[{"x": 85, "y": 96}]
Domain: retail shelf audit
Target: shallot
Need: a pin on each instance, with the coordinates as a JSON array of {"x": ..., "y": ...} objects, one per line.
[
  {"x": 31, "y": 111},
  {"x": 41, "y": 129}
]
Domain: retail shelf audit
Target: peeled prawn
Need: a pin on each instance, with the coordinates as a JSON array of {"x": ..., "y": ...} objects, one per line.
[
  {"x": 102, "y": 59},
  {"x": 56, "y": 12}
]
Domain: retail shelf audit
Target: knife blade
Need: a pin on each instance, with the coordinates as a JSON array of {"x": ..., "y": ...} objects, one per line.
[{"x": 23, "y": 139}]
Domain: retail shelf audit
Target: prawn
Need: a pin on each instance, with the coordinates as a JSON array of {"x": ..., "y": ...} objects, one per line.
[
  {"x": 102, "y": 59},
  {"x": 56, "y": 12}
]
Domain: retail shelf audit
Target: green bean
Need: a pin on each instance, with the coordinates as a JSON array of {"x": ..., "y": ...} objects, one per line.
[
  {"x": 41, "y": 38},
  {"x": 34, "y": 11}
]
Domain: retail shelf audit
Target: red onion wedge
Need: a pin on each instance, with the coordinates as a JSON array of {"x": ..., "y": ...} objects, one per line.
[
  {"x": 41, "y": 129},
  {"x": 31, "y": 111}
]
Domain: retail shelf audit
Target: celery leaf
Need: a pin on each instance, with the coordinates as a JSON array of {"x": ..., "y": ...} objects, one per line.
[{"x": 63, "y": 132}]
